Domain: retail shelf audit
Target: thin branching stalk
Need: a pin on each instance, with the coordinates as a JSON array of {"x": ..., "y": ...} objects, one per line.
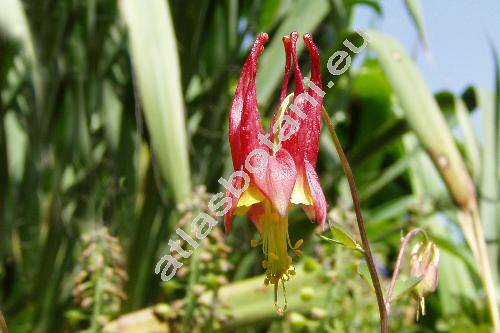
[
  {"x": 361, "y": 224},
  {"x": 397, "y": 268}
]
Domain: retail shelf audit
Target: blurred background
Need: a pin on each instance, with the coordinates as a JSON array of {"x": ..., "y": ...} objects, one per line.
[{"x": 113, "y": 133}]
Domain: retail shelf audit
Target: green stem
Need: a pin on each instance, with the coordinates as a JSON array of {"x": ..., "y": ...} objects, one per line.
[
  {"x": 361, "y": 224},
  {"x": 190, "y": 296}
]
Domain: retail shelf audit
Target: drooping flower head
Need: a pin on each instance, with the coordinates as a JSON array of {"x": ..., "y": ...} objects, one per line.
[
  {"x": 279, "y": 165},
  {"x": 424, "y": 263}
]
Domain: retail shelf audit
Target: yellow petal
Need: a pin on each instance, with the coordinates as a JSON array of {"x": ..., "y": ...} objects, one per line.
[
  {"x": 301, "y": 193},
  {"x": 251, "y": 196}
]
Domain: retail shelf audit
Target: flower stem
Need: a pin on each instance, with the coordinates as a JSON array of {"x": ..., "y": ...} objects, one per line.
[
  {"x": 397, "y": 268},
  {"x": 361, "y": 224}
]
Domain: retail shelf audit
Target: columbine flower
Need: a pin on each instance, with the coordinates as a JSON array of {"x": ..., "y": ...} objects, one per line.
[
  {"x": 424, "y": 262},
  {"x": 280, "y": 165}
]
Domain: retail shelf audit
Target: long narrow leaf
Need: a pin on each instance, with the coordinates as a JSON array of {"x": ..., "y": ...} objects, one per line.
[
  {"x": 14, "y": 22},
  {"x": 415, "y": 10},
  {"x": 471, "y": 144},
  {"x": 489, "y": 177},
  {"x": 156, "y": 65},
  {"x": 424, "y": 117}
]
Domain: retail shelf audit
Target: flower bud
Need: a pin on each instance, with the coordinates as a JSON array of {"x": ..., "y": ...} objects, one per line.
[
  {"x": 306, "y": 294},
  {"x": 424, "y": 262},
  {"x": 297, "y": 320}
]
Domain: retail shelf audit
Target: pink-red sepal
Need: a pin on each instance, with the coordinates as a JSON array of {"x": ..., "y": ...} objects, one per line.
[
  {"x": 277, "y": 179},
  {"x": 317, "y": 194}
]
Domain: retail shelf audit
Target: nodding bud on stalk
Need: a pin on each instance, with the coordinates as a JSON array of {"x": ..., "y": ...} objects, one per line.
[{"x": 424, "y": 262}]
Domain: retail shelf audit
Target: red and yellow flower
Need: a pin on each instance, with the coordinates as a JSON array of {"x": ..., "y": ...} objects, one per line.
[{"x": 280, "y": 164}]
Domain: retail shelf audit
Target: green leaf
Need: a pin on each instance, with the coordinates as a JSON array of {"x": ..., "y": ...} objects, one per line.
[
  {"x": 364, "y": 273},
  {"x": 489, "y": 188},
  {"x": 342, "y": 237},
  {"x": 392, "y": 209},
  {"x": 156, "y": 65},
  {"x": 456, "y": 281},
  {"x": 471, "y": 143},
  {"x": 415, "y": 10},
  {"x": 423, "y": 116},
  {"x": 16, "y": 142},
  {"x": 403, "y": 287},
  {"x": 389, "y": 175},
  {"x": 270, "y": 13},
  {"x": 374, "y": 4},
  {"x": 112, "y": 115},
  {"x": 497, "y": 106},
  {"x": 14, "y": 23},
  {"x": 459, "y": 251}
]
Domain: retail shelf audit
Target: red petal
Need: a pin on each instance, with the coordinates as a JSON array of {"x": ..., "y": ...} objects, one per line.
[
  {"x": 314, "y": 54},
  {"x": 276, "y": 181},
  {"x": 235, "y": 117},
  {"x": 309, "y": 210},
  {"x": 299, "y": 84},
  {"x": 244, "y": 117},
  {"x": 304, "y": 144},
  {"x": 284, "y": 84},
  {"x": 316, "y": 193},
  {"x": 228, "y": 218},
  {"x": 254, "y": 214},
  {"x": 228, "y": 222},
  {"x": 313, "y": 113}
]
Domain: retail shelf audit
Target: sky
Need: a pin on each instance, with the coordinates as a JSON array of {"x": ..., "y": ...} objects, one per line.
[{"x": 459, "y": 33}]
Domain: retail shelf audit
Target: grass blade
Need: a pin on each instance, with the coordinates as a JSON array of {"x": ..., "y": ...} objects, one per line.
[
  {"x": 471, "y": 144},
  {"x": 424, "y": 117},
  {"x": 489, "y": 178},
  {"x": 156, "y": 65},
  {"x": 415, "y": 10},
  {"x": 14, "y": 22}
]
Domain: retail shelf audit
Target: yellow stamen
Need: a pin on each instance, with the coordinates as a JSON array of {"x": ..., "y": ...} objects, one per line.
[
  {"x": 275, "y": 244},
  {"x": 254, "y": 243},
  {"x": 280, "y": 310}
]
